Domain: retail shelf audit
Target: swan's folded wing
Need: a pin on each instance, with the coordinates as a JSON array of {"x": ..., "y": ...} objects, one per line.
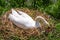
[
  {"x": 23, "y": 14},
  {"x": 20, "y": 19},
  {"x": 12, "y": 17},
  {"x": 15, "y": 13}
]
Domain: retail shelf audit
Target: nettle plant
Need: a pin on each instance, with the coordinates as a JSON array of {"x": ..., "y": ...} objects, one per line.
[
  {"x": 54, "y": 10},
  {"x": 58, "y": 26}
]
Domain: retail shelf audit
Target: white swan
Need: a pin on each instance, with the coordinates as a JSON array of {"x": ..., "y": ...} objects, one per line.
[{"x": 20, "y": 18}]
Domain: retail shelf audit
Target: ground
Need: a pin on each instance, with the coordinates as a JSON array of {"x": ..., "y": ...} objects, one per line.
[{"x": 9, "y": 31}]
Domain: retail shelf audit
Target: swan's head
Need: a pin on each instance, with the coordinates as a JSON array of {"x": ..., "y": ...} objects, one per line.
[{"x": 37, "y": 23}]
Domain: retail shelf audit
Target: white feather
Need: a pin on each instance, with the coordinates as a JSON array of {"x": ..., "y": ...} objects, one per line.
[{"x": 21, "y": 18}]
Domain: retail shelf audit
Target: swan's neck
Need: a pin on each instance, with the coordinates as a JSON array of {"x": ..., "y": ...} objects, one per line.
[{"x": 41, "y": 18}]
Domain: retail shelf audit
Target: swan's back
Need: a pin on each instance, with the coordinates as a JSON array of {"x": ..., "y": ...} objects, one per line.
[{"x": 21, "y": 18}]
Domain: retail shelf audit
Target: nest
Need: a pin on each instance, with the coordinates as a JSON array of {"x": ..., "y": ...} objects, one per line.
[{"x": 10, "y": 29}]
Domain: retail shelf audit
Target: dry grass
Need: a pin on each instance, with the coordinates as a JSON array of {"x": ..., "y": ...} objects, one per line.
[{"x": 7, "y": 28}]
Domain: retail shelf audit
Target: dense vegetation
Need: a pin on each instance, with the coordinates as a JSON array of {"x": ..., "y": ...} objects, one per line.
[{"x": 51, "y": 7}]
